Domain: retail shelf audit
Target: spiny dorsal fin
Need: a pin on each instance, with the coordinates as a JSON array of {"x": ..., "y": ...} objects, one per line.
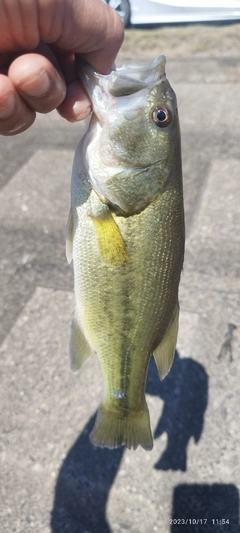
[{"x": 164, "y": 353}]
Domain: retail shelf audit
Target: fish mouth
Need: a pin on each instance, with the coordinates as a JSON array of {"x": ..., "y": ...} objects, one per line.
[{"x": 124, "y": 81}]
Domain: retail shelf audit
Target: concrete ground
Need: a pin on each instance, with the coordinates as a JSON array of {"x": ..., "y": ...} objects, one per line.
[{"x": 52, "y": 479}]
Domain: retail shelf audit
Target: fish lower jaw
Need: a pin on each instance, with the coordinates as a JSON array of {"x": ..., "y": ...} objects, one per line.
[{"x": 115, "y": 428}]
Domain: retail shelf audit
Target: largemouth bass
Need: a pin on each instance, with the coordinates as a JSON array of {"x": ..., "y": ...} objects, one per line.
[{"x": 126, "y": 239}]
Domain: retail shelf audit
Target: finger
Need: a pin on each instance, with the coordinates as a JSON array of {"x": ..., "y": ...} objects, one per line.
[
  {"x": 76, "y": 105},
  {"x": 86, "y": 27},
  {"x": 15, "y": 115},
  {"x": 91, "y": 29},
  {"x": 37, "y": 81},
  {"x": 103, "y": 50}
]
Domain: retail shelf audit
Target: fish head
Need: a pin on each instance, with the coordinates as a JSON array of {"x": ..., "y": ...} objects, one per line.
[{"x": 134, "y": 134}]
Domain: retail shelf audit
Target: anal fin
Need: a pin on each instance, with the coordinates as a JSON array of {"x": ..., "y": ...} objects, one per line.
[
  {"x": 79, "y": 348},
  {"x": 164, "y": 353}
]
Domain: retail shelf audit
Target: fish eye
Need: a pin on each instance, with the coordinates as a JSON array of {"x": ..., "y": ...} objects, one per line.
[{"x": 161, "y": 116}]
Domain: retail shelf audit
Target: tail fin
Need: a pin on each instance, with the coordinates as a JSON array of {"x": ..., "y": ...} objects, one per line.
[{"x": 113, "y": 429}]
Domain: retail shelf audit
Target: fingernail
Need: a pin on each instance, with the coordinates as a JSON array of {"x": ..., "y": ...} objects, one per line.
[
  {"x": 80, "y": 112},
  {"x": 7, "y": 106},
  {"x": 38, "y": 86},
  {"x": 41, "y": 85}
]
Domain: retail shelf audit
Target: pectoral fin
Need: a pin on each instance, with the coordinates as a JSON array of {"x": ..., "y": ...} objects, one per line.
[
  {"x": 69, "y": 236},
  {"x": 164, "y": 353},
  {"x": 79, "y": 348},
  {"x": 110, "y": 242}
]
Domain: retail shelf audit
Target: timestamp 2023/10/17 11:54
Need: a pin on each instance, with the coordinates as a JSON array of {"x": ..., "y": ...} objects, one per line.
[{"x": 200, "y": 521}]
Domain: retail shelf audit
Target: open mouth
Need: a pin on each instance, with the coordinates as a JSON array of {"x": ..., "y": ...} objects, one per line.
[{"x": 123, "y": 81}]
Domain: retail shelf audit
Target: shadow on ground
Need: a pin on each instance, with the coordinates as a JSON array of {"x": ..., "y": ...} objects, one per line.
[
  {"x": 83, "y": 485},
  {"x": 185, "y": 394},
  {"x": 205, "y": 508},
  {"x": 177, "y": 25},
  {"x": 88, "y": 472}
]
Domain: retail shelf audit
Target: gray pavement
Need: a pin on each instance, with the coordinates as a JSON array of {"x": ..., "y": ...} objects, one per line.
[{"x": 52, "y": 480}]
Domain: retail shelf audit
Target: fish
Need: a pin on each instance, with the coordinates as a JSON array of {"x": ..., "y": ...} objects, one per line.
[{"x": 125, "y": 236}]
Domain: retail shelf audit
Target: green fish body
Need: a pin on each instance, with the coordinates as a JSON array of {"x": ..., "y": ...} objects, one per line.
[{"x": 126, "y": 239}]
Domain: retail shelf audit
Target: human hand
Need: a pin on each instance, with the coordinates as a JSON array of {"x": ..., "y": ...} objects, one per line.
[{"x": 38, "y": 40}]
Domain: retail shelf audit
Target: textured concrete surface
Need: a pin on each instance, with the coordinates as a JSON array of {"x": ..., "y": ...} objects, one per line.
[{"x": 52, "y": 480}]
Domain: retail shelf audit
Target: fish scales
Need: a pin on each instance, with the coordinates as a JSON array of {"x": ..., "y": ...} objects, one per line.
[{"x": 126, "y": 237}]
